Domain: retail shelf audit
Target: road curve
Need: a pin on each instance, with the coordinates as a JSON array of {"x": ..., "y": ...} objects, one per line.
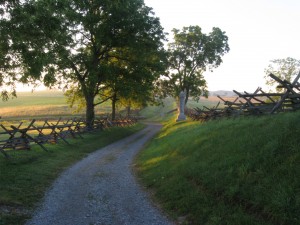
[{"x": 101, "y": 190}]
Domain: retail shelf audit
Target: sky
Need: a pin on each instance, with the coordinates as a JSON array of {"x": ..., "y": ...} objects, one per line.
[{"x": 258, "y": 31}]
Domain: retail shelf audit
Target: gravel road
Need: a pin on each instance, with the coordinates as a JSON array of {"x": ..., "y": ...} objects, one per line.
[{"x": 101, "y": 190}]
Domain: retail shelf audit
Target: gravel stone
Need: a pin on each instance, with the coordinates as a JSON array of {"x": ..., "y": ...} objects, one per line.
[{"x": 102, "y": 190}]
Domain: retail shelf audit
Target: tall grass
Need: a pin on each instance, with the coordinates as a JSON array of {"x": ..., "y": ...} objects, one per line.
[{"x": 237, "y": 171}]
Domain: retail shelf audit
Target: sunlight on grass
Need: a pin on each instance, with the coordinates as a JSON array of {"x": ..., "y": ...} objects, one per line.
[
  {"x": 154, "y": 160},
  {"x": 232, "y": 171},
  {"x": 172, "y": 126},
  {"x": 43, "y": 104}
]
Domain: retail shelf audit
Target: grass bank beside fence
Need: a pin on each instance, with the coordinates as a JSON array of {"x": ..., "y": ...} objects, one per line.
[
  {"x": 26, "y": 176},
  {"x": 235, "y": 171}
]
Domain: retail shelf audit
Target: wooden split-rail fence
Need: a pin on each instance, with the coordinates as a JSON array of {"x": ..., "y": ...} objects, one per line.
[
  {"x": 21, "y": 136},
  {"x": 256, "y": 103}
]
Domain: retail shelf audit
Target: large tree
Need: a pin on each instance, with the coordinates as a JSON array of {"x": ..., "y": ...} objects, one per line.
[
  {"x": 190, "y": 54},
  {"x": 70, "y": 42},
  {"x": 285, "y": 69},
  {"x": 128, "y": 80},
  {"x": 133, "y": 79}
]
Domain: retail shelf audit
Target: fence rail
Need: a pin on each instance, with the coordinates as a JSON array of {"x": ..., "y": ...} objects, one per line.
[
  {"x": 256, "y": 103},
  {"x": 21, "y": 136}
]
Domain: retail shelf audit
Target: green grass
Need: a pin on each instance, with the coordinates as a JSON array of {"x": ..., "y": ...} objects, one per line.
[
  {"x": 26, "y": 176},
  {"x": 235, "y": 172},
  {"x": 160, "y": 113}
]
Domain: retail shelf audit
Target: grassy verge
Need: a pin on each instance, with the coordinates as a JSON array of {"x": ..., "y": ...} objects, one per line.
[
  {"x": 242, "y": 171},
  {"x": 25, "y": 177}
]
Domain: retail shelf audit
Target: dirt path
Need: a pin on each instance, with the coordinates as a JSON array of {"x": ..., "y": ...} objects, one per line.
[{"x": 101, "y": 190}]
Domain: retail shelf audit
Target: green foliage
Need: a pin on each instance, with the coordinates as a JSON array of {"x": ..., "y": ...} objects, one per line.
[
  {"x": 27, "y": 175},
  {"x": 237, "y": 171},
  {"x": 7, "y": 76},
  {"x": 285, "y": 69},
  {"x": 131, "y": 83},
  {"x": 75, "y": 98},
  {"x": 70, "y": 43},
  {"x": 191, "y": 53}
]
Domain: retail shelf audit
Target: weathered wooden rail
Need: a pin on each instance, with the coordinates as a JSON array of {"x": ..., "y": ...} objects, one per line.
[
  {"x": 20, "y": 137},
  {"x": 256, "y": 103}
]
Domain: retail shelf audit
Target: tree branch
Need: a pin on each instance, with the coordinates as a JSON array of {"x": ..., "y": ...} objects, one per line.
[
  {"x": 78, "y": 75},
  {"x": 103, "y": 101},
  {"x": 193, "y": 69}
]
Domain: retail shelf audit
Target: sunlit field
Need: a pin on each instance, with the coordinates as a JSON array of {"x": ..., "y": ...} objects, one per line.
[
  {"x": 211, "y": 101},
  {"x": 53, "y": 104},
  {"x": 42, "y": 104}
]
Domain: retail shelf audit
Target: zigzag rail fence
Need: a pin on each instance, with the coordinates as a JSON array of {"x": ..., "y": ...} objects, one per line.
[
  {"x": 21, "y": 136},
  {"x": 256, "y": 103}
]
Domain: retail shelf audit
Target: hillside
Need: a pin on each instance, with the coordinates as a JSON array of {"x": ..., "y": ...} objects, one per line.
[{"x": 237, "y": 171}]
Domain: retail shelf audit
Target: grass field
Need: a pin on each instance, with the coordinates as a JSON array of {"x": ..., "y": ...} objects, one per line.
[
  {"x": 53, "y": 104},
  {"x": 241, "y": 171},
  {"x": 35, "y": 98},
  {"x": 236, "y": 172},
  {"x": 42, "y": 104},
  {"x": 209, "y": 102}
]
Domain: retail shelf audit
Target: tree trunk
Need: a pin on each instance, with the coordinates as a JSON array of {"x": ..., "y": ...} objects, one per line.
[
  {"x": 186, "y": 96},
  {"x": 90, "y": 111},
  {"x": 113, "y": 106},
  {"x": 128, "y": 108}
]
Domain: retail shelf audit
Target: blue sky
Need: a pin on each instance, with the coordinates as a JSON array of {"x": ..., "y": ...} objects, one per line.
[{"x": 258, "y": 31}]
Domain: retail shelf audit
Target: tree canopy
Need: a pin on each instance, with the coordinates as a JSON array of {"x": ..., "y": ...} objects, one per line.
[
  {"x": 189, "y": 55},
  {"x": 285, "y": 69},
  {"x": 8, "y": 77},
  {"x": 75, "y": 44}
]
